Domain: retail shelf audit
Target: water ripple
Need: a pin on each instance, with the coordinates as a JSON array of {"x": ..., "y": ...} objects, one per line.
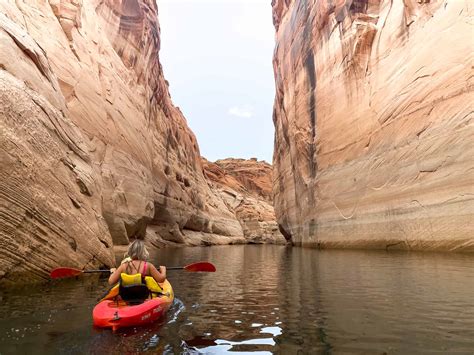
[{"x": 265, "y": 299}]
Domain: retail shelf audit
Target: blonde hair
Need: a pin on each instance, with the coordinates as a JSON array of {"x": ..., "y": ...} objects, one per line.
[{"x": 137, "y": 250}]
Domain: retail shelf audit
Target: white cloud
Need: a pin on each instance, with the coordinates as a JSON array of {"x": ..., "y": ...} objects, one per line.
[{"x": 242, "y": 111}]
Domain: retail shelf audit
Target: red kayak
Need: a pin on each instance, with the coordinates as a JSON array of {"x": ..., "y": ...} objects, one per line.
[{"x": 118, "y": 314}]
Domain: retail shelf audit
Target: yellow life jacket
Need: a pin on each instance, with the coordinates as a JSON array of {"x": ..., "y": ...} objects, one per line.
[
  {"x": 130, "y": 280},
  {"x": 136, "y": 279}
]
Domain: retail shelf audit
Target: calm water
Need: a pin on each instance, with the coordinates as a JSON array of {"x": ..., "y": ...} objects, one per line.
[{"x": 266, "y": 299}]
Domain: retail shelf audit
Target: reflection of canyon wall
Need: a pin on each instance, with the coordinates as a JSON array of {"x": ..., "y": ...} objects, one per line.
[
  {"x": 93, "y": 150},
  {"x": 373, "y": 115},
  {"x": 246, "y": 188}
]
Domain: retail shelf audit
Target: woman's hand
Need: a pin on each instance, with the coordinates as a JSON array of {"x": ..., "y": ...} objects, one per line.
[
  {"x": 115, "y": 275},
  {"x": 158, "y": 274}
]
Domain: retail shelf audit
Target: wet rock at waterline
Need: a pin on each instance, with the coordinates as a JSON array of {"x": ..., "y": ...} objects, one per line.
[{"x": 373, "y": 116}]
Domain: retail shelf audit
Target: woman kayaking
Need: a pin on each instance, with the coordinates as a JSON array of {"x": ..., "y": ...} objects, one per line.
[
  {"x": 136, "y": 264},
  {"x": 141, "y": 294}
]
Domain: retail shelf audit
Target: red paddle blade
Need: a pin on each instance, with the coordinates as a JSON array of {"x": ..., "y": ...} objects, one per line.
[
  {"x": 62, "y": 272},
  {"x": 200, "y": 267}
]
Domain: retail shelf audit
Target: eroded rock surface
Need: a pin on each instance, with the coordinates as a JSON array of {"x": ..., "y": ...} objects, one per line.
[
  {"x": 245, "y": 187},
  {"x": 374, "y": 123},
  {"x": 93, "y": 150}
]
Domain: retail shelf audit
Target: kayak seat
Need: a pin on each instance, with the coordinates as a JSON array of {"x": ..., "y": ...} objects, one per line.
[{"x": 134, "y": 294}]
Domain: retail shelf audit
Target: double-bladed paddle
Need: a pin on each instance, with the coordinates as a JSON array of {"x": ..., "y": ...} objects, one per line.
[{"x": 63, "y": 272}]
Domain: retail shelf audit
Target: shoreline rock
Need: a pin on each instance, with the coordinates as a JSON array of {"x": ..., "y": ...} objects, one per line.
[{"x": 373, "y": 118}]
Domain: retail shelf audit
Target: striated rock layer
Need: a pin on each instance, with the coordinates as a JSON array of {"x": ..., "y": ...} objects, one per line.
[
  {"x": 374, "y": 139},
  {"x": 245, "y": 186},
  {"x": 92, "y": 149}
]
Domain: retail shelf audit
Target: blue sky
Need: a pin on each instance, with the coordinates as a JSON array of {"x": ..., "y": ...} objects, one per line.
[{"x": 217, "y": 57}]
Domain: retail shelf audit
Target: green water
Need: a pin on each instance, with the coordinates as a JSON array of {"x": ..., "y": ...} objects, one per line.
[{"x": 265, "y": 299}]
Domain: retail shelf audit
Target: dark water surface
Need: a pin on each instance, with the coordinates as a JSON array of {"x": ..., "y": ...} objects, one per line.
[{"x": 266, "y": 299}]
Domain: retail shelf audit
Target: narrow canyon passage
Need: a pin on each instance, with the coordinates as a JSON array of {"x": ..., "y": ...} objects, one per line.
[
  {"x": 95, "y": 152},
  {"x": 105, "y": 155},
  {"x": 370, "y": 106}
]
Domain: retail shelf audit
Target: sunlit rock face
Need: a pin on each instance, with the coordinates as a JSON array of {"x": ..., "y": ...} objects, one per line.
[
  {"x": 373, "y": 116},
  {"x": 93, "y": 150},
  {"x": 245, "y": 186}
]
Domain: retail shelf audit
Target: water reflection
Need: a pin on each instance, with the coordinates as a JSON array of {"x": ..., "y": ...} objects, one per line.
[{"x": 266, "y": 299}]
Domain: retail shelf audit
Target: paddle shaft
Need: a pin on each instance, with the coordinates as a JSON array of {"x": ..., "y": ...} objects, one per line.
[
  {"x": 62, "y": 272},
  {"x": 96, "y": 271}
]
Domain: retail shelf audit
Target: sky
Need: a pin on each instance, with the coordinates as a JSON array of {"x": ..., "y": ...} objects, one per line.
[{"x": 217, "y": 58}]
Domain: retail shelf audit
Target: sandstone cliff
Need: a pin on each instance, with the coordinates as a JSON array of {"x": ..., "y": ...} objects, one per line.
[
  {"x": 92, "y": 149},
  {"x": 373, "y": 113},
  {"x": 245, "y": 186}
]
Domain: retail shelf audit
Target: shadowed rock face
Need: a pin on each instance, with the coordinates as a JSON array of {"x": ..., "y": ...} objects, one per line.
[
  {"x": 93, "y": 150},
  {"x": 373, "y": 116},
  {"x": 245, "y": 187}
]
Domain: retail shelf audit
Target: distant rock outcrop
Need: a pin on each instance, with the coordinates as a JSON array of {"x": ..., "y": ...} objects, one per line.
[
  {"x": 245, "y": 187},
  {"x": 374, "y": 143}
]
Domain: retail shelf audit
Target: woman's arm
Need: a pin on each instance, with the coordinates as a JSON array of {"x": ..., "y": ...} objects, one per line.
[
  {"x": 114, "y": 278},
  {"x": 159, "y": 275}
]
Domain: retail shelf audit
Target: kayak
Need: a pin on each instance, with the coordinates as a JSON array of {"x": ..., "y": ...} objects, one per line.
[{"x": 116, "y": 314}]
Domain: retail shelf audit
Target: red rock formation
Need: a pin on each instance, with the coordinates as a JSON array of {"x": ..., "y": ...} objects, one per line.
[
  {"x": 245, "y": 187},
  {"x": 254, "y": 177},
  {"x": 93, "y": 150},
  {"x": 373, "y": 116}
]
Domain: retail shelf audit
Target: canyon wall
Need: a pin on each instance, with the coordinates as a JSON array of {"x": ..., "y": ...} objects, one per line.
[
  {"x": 373, "y": 113},
  {"x": 93, "y": 151},
  {"x": 246, "y": 188}
]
